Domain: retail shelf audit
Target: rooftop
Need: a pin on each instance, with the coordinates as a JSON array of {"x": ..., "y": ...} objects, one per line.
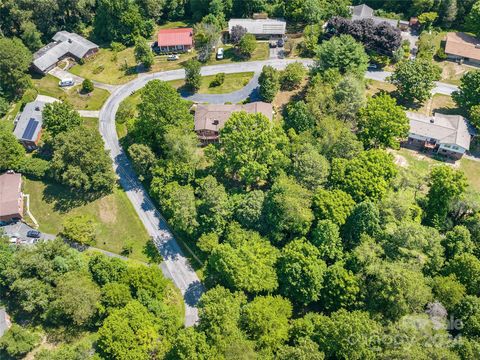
[
  {"x": 63, "y": 43},
  {"x": 260, "y": 26},
  {"x": 174, "y": 37},
  {"x": 446, "y": 129},
  {"x": 10, "y": 194},
  {"x": 463, "y": 45},
  {"x": 30, "y": 121},
  {"x": 363, "y": 11},
  {"x": 213, "y": 117}
]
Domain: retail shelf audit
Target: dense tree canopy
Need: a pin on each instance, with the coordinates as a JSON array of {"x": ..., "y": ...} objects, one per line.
[
  {"x": 81, "y": 161},
  {"x": 249, "y": 148},
  {"x": 15, "y": 60},
  {"x": 59, "y": 117}
]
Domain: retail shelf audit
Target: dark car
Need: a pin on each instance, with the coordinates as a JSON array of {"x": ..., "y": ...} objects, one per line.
[
  {"x": 33, "y": 234},
  {"x": 280, "y": 42},
  {"x": 273, "y": 44}
]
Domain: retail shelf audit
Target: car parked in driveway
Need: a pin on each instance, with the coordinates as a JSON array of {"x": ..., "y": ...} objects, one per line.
[
  {"x": 66, "y": 82},
  {"x": 273, "y": 44},
  {"x": 173, "y": 57},
  {"x": 34, "y": 234},
  {"x": 219, "y": 54},
  {"x": 280, "y": 42}
]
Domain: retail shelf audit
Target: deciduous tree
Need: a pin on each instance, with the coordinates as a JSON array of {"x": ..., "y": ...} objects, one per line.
[
  {"x": 59, "y": 117},
  {"x": 415, "y": 79},
  {"x": 382, "y": 123},
  {"x": 15, "y": 59},
  {"x": 269, "y": 81}
]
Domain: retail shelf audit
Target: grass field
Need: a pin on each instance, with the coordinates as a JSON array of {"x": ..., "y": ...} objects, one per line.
[
  {"x": 48, "y": 85},
  {"x": 374, "y": 86},
  {"x": 439, "y": 103},
  {"x": 116, "y": 221}
]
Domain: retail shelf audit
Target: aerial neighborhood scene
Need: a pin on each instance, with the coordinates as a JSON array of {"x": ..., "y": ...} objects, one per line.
[{"x": 240, "y": 179}]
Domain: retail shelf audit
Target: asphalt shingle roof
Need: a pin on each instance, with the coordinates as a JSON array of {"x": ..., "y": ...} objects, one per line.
[{"x": 63, "y": 43}]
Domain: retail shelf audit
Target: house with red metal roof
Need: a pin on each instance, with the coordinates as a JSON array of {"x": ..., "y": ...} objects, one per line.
[{"x": 175, "y": 40}]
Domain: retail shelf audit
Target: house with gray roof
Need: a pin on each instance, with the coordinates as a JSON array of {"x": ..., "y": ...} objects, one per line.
[
  {"x": 28, "y": 124},
  {"x": 261, "y": 28},
  {"x": 447, "y": 135},
  {"x": 363, "y": 11},
  {"x": 64, "y": 44}
]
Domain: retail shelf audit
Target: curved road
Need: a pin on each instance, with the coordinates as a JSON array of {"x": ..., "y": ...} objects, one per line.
[{"x": 176, "y": 266}]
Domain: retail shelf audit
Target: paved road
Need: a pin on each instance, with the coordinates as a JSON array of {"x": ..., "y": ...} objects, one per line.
[{"x": 176, "y": 266}]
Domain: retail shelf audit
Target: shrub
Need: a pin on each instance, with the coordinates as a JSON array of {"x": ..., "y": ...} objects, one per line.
[
  {"x": 218, "y": 80},
  {"x": 98, "y": 69},
  {"x": 127, "y": 248},
  {"x": 33, "y": 167},
  {"x": 441, "y": 54},
  {"x": 87, "y": 86},
  {"x": 80, "y": 228},
  {"x": 116, "y": 46}
]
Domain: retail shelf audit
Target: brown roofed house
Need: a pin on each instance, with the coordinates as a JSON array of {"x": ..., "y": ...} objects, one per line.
[
  {"x": 462, "y": 47},
  {"x": 210, "y": 118},
  {"x": 11, "y": 197}
]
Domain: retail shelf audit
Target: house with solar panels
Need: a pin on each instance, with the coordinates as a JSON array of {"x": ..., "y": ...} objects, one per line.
[{"x": 28, "y": 125}]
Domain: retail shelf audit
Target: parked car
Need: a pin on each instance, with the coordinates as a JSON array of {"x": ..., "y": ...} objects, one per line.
[
  {"x": 280, "y": 42},
  {"x": 34, "y": 234},
  {"x": 219, "y": 54},
  {"x": 173, "y": 57},
  {"x": 372, "y": 66},
  {"x": 273, "y": 44},
  {"x": 66, "y": 82}
]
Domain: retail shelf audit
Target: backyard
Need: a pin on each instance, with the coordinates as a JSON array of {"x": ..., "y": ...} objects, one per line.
[
  {"x": 48, "y": 85},
  {"x": 232, "y": 82},
  {"x": 117, "y": 223}
]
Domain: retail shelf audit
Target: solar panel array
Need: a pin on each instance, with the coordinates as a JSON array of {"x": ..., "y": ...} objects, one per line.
[{"x": 30, "y": 129}]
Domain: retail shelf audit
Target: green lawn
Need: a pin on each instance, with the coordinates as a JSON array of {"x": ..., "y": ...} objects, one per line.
[
  {"x": 118, "y": 68},
  {"x": 233, "y": 82},
  {"x": 420, "y": 165},
  {"x": 48, "y": 85},
  {"x": 108, "y": 67},
  {"x": 116, "y": 220}
]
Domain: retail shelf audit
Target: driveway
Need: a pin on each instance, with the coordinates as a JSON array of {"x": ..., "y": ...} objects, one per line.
[
  {"x": 63, "y": 74},
  {"x": 412, "y": 38},
  {"x": 20, "y": 230}
]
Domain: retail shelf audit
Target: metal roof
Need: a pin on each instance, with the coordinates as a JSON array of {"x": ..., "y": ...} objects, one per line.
[
  {"x": 63, "y": 43},
  {"x": 260, "y": 26},
  {"x": 174, "y": 37}
]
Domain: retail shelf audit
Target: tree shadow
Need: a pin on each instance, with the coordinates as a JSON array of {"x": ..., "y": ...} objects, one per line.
[
  {"x": 151, "y": 252},
  {"x": 65, "y": 199}
]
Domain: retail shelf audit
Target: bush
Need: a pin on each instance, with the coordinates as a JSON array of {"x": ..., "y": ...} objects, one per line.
[
  {"x": 33, "y": 167},
  {"x": 87, "y": 86},
  {"x": 127, "y": 248},
  {"x": 117, "y": 47},
  {"x": 4, "y": 105},
  {"x": 441, "y": 54},
  {"x": 218, "y": 80},
  {"x": 79, "y": 228},
  {"x": 98, "y": 69},
  {"x": 247, "y": 45}
]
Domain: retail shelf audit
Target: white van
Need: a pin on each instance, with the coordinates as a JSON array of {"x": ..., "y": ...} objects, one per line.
[
  {"x": 220, "y": 54},
  {"x": 66, "y": 82}
]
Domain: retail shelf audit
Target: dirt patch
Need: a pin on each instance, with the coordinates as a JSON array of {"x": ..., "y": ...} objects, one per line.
[
  {"x": 284, "y": 97},
  {"x": 108, "y": 210},
  {"x": 400, "y": 160}
]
